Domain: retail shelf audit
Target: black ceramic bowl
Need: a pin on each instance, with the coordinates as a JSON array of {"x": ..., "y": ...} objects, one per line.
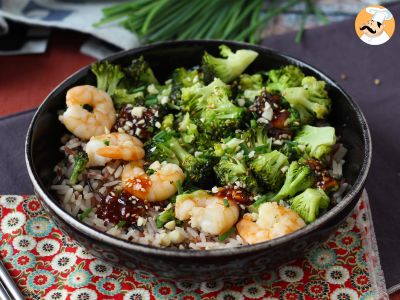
[{"x": 43, "y": 142}]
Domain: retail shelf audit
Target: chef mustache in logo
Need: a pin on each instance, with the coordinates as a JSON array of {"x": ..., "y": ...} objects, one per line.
[{"x": 370, "y": 29}]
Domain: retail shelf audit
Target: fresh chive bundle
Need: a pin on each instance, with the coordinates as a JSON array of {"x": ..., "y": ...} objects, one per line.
[{"x": 241, "y": 20}]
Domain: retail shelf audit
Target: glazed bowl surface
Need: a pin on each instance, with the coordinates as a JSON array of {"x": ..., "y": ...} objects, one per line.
[{"x": 42, "y": 154}]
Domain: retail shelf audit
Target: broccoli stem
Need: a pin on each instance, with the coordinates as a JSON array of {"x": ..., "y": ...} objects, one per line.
[{"x": 180, "y": 153}]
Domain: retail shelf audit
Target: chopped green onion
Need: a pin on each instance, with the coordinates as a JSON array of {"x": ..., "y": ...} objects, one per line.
[
  {"x": 226, "y": 202},
  {"x": 121, "y": 223},
  {"x": 107, "y": 143},
  {"x": 179, "y": 185},
  {"x": 223, "y": 236},
  {"x": 150, "y": 171},
  {"x": 245, "y": 149},
  {"x": 172, "y": 199},
  {"x": 151, "y": 101},
  {"x": 85, "y": 213},
  {"x": 139, "y": 89}
]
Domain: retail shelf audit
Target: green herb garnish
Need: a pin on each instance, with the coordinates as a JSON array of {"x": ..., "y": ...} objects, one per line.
[
  {"x": 121, "y": 223},
  {"x": 80, "y": 161},
  {"x": 150, "y": 171},
  {"x": 179, "y": 185},
  {"x": 107, "y": 143},
  {"x": 226, "y": 202},
  {"x": 85, "y": 213},
  {"x": 150, "y": 101},
  {"x": 223, "y": 236}
]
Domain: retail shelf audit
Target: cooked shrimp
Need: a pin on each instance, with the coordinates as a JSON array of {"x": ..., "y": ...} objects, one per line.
[
  {"x": 103, "y": 148},
  {"x": 159, "y": 186},
  {"x": 273, "y": 221},
  {"x": 207, "y": 212},
  {"x": 82, "y": 122}
]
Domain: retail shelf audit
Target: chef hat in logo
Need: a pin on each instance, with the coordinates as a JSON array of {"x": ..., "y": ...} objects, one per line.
[{"x": 379, "y": 14}]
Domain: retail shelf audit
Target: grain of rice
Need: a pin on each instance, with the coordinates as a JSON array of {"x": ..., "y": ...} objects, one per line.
[
  {"x": 59, "y": 187},
  {"x": 192, "y": 232},
  {"x": 202, "y": 237},
  {"x": 112, "y": 183},
  {"x": 118, "y": 172},
  {"x": 68, "y": 195},
  {"x": 74, "y": 145},
  {"x": 78, "y": 188}
]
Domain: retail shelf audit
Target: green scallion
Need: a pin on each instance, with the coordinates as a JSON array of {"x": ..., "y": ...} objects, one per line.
[
  {"x": 85, "y": 213},
  {"x": 121, "y": 223},
  {"x": 226, "y": 202},
  {"x": 179, "y": 185},
  {"x": 225, "y": 235}
]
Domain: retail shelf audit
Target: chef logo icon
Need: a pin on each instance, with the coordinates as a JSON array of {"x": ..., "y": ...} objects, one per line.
[{"x": 374, "y": 25}]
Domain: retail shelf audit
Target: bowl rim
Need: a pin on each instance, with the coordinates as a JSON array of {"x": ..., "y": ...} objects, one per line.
[{"x": 110, "y": 240}]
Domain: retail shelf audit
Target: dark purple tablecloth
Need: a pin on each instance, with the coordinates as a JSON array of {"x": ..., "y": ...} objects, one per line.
[{"x": 336, "y": 50}]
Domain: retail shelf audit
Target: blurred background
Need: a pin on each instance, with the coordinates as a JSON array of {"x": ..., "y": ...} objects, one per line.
[{"x": 61, "y": 36}]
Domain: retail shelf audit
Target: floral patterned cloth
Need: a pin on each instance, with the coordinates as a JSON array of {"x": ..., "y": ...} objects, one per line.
[{"x": 47, "y": 265}]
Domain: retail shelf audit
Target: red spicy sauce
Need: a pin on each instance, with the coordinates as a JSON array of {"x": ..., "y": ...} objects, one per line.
[
  {"x": 323, "y": 179},
  {"x": 116, "y": 207},
  {"x": 236, "y": 194}
]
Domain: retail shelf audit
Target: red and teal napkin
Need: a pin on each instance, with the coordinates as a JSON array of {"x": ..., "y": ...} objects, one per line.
[{"x": 48, "y": 265}]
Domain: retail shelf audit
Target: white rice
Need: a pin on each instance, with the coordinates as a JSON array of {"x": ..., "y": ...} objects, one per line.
[{"x": 96, "y": 182}]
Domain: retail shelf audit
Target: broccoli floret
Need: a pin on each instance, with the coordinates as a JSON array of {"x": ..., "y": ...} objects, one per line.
[
  {"x": 308, "y": 204},
  {"x": 310, "y": 100},
  {"x": 270, "y": 169},
  {"x": 164, "y": 217},
  {"x": 317, "y": 140},
  {"x": 204, "y": 142},
  {"x": 227, "y": 146},
  {"x": 194, "y": 98},
  {"x": 285, "y": 77},
  {"x": 185, "y": 78},
  {"x": 257, "y": 140},
  {"x": 188, "y": 129},
  {"x": 298, "y": 178},
  {"x": 80, "y": 161},
  {"x": 157, "y": 150},
  {"x": 108, "y": 76},
  {"x": 250, "y": 87},
  {"x": 168, "y": 122},
  {"x": 122, "y": 97},
  {"x": 250, "y": 82},
  {"x": 292, "y": 150},
  {"x": 230, "y": 170},
  {"x": 211, "y": 105},
  {"x": 165, "y": 146},
  {"x": 139, "y": 72},
  {"x": 182, "y": 78},
  {"x": 220, "y": 113},
  {"x": 293, "y": 119},
  {"x": 228, "y": 68}
]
